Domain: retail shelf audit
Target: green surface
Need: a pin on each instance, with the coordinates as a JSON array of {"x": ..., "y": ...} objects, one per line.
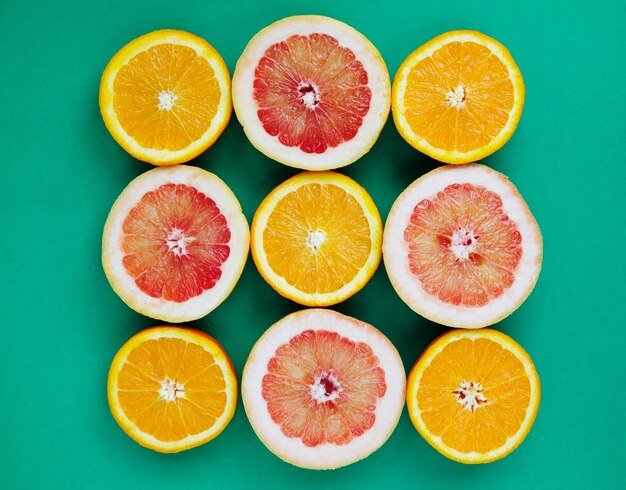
[{"x": 62, "y": 323}]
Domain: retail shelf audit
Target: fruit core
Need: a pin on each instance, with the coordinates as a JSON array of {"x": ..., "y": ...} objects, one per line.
[
  {"x": 323, "y": 388},
  {"x": 311, "y": 92},
  {"x": 166, "y": 100},
  {"x": 470, "y": 395},
  {"x": 171, "y": 390},
  {"x": 463, "y": 247},
  {"x": 315, "y": 239},
  {"x": 175, "y": 242},
  {"x": 457, "y": 97}
]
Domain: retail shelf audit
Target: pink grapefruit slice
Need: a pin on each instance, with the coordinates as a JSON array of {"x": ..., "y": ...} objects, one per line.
[
  {"x": 461, "y": 247},
  {"x": 311, "y": 92},
  {"x": 175, "y": 243},
  {"x": 323, "y": 390}
]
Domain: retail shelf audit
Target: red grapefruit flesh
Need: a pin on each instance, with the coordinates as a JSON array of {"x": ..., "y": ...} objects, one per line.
[
  {"x": 461, "y": 246},
  {"x": 323, "y": 390},
  {"x": 311, "y": 92},
  {"x": 175, "y": 243}
]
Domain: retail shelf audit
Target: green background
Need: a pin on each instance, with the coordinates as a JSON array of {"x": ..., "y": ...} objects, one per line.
[{"x": 61, "y": 172}]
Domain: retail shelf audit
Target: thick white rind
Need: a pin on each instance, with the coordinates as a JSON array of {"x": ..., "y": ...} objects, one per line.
[
  {"x": 396, "y": 251},
  {"x": 246, "y": 107},
  {"x": 124, "y": 284},
  {"x": 325, "y": 456}
]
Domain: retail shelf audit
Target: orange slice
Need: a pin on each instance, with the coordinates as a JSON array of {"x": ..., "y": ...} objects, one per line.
[
  {"x": 474, "y": 395},
  {"x": 458, "y": 98},
  {"x": 316, "y": 238},
  {"x": 172, "y": 389},
  {"x": 165, "y": 97}
]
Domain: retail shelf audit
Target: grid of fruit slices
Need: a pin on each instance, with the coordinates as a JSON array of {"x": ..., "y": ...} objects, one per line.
[{"x": 319, "y": 387}]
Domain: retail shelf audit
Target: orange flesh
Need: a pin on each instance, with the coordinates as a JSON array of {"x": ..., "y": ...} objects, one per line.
[
  {"x": 485, "y": 98},
  {"x": 194, "y": 409},
  {"x": 505, "y": 387},
  {"x": 462, "y": 246},
  {"x": 323, "y": 388},
  {"x": 175, "y": 242},
  {"x": 300, "y": 217},
  {"x": 162, "y": 75}
]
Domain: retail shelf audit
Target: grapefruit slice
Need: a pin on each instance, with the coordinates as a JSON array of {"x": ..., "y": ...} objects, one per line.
[
  {"x": 461, "y": 247},
  {"x": 316, "y": 238},
  {"x": 474, "y": 395},
  {"x": 165, "y": 96},
  {"x": 311, "y": 92},
  {"x": 323, "y": 390},
  {"x": 458, "y": 98},
  {"x": 172, "y": 389},
  {"x": 175, "y": 243}
]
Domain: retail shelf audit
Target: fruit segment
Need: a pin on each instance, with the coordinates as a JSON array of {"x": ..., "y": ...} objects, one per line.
[
  {"x": 175, "y": 242},
  {"x": 323, "y": 388},
  {"x": 463, "y": 246},
  {"x": 311, "y": 92}
]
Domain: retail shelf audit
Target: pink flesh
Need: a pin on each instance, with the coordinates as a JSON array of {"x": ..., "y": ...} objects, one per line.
[
  {"x": 157, "y": 270},
  {"x": 351, "y": 368},
  {"x": 473, "y": 212},
  {"x": 335, "y": 81}
]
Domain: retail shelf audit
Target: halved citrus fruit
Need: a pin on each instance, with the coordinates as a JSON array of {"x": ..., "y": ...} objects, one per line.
[
  {"x": 323, "y": 390},
  {"x": 165, "y": 97},
  {"x": 461, "y": 247},
  {"x": 474, "y": 395},
  {"x": 175, "y": 243},
  {"x": 172, "y": 389},
  {"x": 316, "y": 238},
  {"x": 458, "y": 98},
  {"x": 311, "y": 92}
]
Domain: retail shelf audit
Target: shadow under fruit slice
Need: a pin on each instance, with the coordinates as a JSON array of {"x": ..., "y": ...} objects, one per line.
[
  {"x": 459, "y": 97},
  {"x": 461, "y": 247},
  {"x": 175, "y": 243},
  {"x": 323, "y": 390},
  {"x": 172, "y": 388},
  {"x": 316, "y": 238},
  {"x": 474, "y": 395},
  {"x": 311, "y": 92},
  {"x": 165, "y": 96}
]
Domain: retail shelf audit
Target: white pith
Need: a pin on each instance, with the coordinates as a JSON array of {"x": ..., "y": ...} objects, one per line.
[
  {"x": 378, "y": 81},
  {"x": 190, "y": 336},
  {"x": 396, "y": 251},
  {"x": 426, "y": 359},
  {"x": 112, "y": 255},
  {"x": 463, "y": 243},
  {"x": 177, "y": 241},
  {"x": 323, "y": 456},
  {"x": 315, "y": 239}
]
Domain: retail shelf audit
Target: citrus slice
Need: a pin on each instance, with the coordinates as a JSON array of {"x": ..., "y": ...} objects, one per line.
[
  {"x": 474, "y": 395},
  {"x": 311, "y": 92},
  {"x": 323, "y": 390},
  {"x": 458, "y": 98},
  {"x": 172, "y": 389},
  {"x": 316, "y": 238},
  {"x": 175, "y": 243},
  {"x": 165, "y": 97},
  {"x": 461, "y": 247}
]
